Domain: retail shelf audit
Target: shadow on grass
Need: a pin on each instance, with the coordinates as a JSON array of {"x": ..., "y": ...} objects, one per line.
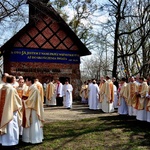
[
  {"x": 21, "y": 145},
  {"x": 105, "y": 132},
  {"x": 84, "y": 109},
  {"x": 137, "y": 133}
]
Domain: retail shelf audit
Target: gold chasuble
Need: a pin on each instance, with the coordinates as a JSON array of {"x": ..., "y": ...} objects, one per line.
[
  {"x": 10, "y": 102},
  {"x": 109, "y": 91},
  {"x": 50, "y": 90},
  {"x": 20, "y": 92},
  {"x": 84, "y": 88},
  {"x": 107, "y": 96},
  {"x": 100, "y": 85},
  {"x": 130, "y": 95},
  {"x": 41, "y": 90},
  {"x": 122, "y": 93},
  {"x": 25, "y": 94},
  {"x": 33, "y": 102},
  {"x": 102, "y": 90},
  {"x": 141, "y": 97},
  {"x": 148, "y": 100}
]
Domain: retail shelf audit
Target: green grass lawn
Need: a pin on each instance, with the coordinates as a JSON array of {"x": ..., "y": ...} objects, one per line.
[{"x": 103, "y": 133}]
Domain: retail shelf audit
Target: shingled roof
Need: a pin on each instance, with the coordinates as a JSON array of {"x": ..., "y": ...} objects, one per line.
[{"x": 48, "y": 11}]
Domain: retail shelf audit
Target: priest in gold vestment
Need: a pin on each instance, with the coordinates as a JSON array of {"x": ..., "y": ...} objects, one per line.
[
  {"x": 22, "y": 91},
  {"x": 141, "y": 92},
  {"x": 40, "y": 88},
  {"x": 34, "y": 115},
  {"x": 84, "y": 93},
  {"x": 108, "y": 93},
  {"x": 50, "y": 94},
  {"x": 10, "y": 114},
  {"x": 101, "y": 91},
  {"x": 130, "y": 96}
]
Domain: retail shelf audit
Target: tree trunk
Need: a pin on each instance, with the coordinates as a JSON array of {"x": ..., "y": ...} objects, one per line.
[{"x": 114, "y": 72}]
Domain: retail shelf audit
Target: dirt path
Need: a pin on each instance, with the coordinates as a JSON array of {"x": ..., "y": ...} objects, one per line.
[{"x": 79, "y": 111}]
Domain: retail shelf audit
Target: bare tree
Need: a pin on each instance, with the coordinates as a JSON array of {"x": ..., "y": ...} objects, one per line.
[
  {"x": 128, "y": 26},
  {"x": 13, "y": 16},
  {"x": 78, "y": 17},
  {"x": 100, "y": 64},
  {"x": 134, "y": 42}
]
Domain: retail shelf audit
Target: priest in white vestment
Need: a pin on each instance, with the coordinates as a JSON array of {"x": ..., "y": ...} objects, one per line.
[
  {"x": 115, "y": 97},
  {"x": 33, "y": 116},
  {"x": 10, "y": 114},
  {"x": 94, "y": 91},
  {"x": 108, "y": 96},
  {"x": 67, "y": 95},
  {"x": 89, "y": 91},
  {"x": 51, "y": 94}
]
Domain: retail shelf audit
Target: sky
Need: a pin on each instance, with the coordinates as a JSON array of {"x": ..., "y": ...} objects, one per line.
[
  {"x": 12, "y": 29},
  {"x": 8, "y": 29}
]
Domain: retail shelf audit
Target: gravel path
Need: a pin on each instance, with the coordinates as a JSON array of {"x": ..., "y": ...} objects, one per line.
[{"x": 79, "y": 111}]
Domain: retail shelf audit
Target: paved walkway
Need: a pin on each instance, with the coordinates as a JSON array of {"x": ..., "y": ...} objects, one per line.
[{"x": 79, "y": 111}]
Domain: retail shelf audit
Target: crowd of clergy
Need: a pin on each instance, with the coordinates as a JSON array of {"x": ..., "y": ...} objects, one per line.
[
  {"x": 22, "y": 107},
  {"x": 57, "y": 94},
  {"x": 127, "y": 96},
  {"x": 22, "y": 99}
]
